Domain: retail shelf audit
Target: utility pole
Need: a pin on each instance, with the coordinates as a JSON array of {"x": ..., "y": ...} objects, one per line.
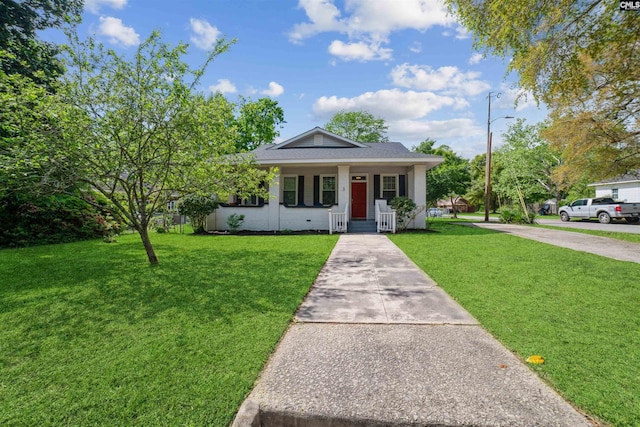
[{"x": 487, "y": 176}]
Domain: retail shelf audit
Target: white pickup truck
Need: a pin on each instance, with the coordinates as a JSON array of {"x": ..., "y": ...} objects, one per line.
[{"x": 603, "y": 208}]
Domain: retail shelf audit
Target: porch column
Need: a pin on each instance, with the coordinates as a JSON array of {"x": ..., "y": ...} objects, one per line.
[
  {"x": 344, "y": 188},
  {"x": 420, "y": 193},
  {"x": 274, "y": 203}
]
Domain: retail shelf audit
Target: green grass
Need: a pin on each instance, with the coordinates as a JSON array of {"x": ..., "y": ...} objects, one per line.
[
  {"x": 92, "y": 335},
  {"x": 581, "y": 312}
]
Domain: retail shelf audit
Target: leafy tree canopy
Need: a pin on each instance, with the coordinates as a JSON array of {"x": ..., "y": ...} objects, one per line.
[
  {"x": 138, "y": 132},
  {"x": 360, "y": 126},
  {"x": 527, "y": 164},
  {"x": 257, "y": 123},
  {"x": 451, "y": 178},
  {"x": 582, "y": 59},
  {"x": 19, "y": 23}
]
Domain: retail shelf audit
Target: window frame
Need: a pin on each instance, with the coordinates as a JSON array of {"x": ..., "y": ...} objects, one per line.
[
  {"x": 615, "y": 193},
  {"x": 322, "y": 190},
  {"x": 396, "y": 185},
  {"x": 295, "y": 194}
]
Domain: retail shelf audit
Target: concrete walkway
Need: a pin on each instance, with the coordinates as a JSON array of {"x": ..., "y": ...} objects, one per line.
[
  {"x": 378, "y": 343},
  {"x": 603, "y": 246}
]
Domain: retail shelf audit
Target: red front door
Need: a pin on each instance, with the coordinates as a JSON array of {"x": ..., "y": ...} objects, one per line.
[{"x": 359, "y": 200}]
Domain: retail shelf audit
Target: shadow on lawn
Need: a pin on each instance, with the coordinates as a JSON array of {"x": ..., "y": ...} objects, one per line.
[{"x": 96, "y": 283}]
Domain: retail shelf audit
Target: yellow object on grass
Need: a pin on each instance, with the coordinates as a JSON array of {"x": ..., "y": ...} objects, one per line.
[{"x": 535, "y": 359}]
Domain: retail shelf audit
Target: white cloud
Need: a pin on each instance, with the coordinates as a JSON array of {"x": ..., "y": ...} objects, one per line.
[
  {"x": 205, "y": 35},
  {"x": 475, "y": 58},
  {"x": 368, "y": 22},
  {"x": 391, "y": 105},
  {"x": 514, "y": 99},
  {"x": 223, "y": 86},
  {"x": 416, "y": 47},
  {"x": 93, "y": 6},
  {"x": 450, "y": 80},
  {"x": 274, "y": 90},
  {"x": 359, "y": 51},
  {"x": 117, "y": 32},
  {"x": 419, "y": 130}
]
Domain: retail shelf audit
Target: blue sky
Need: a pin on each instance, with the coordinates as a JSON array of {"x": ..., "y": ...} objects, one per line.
[{"x": 406, "y": 61}]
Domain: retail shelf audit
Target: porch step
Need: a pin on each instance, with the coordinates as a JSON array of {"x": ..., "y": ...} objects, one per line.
[{"x": 368, "y": 226}]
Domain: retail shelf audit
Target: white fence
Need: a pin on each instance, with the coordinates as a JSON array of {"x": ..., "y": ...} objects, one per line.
[
  {"x": 385, "y": 217},
  {"x": 338, "y": 221}
]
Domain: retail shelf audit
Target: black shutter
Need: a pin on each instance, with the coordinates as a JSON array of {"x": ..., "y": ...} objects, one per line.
[
  {"x": 316, "y": 190},
  {"x": 263, "y": 185},
  {"x": 376, "y": 187},
  {"x": 402, "y": 183},
  {"x": 300, "y": 190}
]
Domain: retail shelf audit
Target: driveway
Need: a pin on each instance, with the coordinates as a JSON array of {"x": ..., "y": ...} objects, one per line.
[
  {"x": 621, "y": 227},
  {"x": 603, "y": 246}
]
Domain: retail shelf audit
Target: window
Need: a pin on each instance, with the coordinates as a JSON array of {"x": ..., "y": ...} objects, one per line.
[
  {"x": 614, "y": 193},
  {"x": 251, "y": 201},
  {"x": 389, "y": 186},
  {"x": 290, "y": 190},
  {"x": 328, "y": 196},
  {"x": 171, "y": 205}
]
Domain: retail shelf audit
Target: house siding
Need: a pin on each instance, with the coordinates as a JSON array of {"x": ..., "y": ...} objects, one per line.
[
  {"x": 627, "y": 192},
  {"x": 275, "y": 216}
]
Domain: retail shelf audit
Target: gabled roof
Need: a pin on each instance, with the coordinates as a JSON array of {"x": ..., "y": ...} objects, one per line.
[
  {"x": 319, "y": 146},
  {"x": 621, "y": 179},
  {"x": 325, "y": 135}
]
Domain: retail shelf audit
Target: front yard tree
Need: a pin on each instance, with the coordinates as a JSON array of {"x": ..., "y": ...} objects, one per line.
[
  {"x": 581, "y": 59},
  {"x": 360, "y": 126},
  {"x": 138, "y": 132},
  {"x": 450, "y": 178},
  {"x": 527, "y": 164}
]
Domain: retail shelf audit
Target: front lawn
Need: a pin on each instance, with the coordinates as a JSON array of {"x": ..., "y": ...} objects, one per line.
[
  {"x": 92, "y": 335},
  {"x": 581, "y": 312}
]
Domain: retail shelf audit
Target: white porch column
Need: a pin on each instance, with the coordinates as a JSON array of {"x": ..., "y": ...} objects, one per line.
[
  {"x": 420, "y": 193},
  {"x": 344, "y": 188},
  {"x": 274, "y": 203}
]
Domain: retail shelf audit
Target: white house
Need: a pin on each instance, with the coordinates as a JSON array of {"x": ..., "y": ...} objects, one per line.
[
  {"x": 328, "y": 182},
  {"x": 625, "y": 188}
]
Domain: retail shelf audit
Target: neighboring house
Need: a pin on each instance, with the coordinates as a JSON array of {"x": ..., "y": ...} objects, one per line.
[
  {"x": 320, "y": 174},
  {"x": 625, "y": 188},
  {"x": 462, "y": 205}
]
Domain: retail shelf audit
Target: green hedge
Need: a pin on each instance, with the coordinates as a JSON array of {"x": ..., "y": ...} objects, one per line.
[{"x": 27, "y": 220}]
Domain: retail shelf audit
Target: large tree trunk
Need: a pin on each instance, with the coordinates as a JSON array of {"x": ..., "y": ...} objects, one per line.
[{"x": 151, "y": 254}]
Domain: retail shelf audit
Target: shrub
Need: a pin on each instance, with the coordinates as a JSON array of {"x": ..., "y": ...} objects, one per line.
[
  {"x": 234, "y": 221},
  {"x": 405, "y": 210},
  {"x": 27, "y": 220},
  {"x": 515, "y": 215},
  {"x": 197, "y": 208}
]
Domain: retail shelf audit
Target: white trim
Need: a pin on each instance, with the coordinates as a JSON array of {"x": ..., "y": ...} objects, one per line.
[
  {"x": 631, "y": 181},
  {"x": 314, "y": 131},
  {"x": 295, "y": 179},
  {"x": 366, "y": 190},
  {"x": 397, "y": 184},
  {"x": 346, "y": 161},
  {"x": 335, "y": 190}
]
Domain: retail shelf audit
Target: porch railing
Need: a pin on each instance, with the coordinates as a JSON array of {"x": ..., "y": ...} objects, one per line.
[
  {"x": 385, "y": 217},
  {"x": 338, "y": 221}
]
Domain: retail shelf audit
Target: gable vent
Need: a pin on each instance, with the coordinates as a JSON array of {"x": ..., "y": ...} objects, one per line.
[{"x": 317, "y": 139}]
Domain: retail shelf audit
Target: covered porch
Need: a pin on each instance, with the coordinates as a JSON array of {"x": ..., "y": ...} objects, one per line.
[{"x": 330, "y": 198}]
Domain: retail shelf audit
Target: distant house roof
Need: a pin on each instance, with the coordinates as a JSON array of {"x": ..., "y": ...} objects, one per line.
[
  {"x": 621, "y": 179},
  {"x": 319, "y": 146}
]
